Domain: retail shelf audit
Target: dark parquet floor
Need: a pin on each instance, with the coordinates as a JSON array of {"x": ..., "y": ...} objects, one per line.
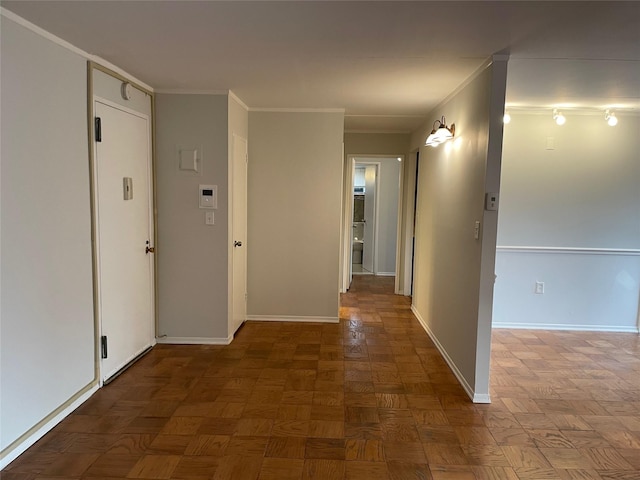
[{"x": 369, "y": 398}]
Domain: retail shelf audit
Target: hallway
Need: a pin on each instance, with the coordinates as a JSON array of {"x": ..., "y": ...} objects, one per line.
[{"x": 367, "y": 399}]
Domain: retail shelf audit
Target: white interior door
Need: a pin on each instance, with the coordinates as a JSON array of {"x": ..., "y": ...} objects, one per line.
[
  {"x": 124, "y": 231},
  {"x": 239, "y": 233},
  {"x": 368, "y": 248}
]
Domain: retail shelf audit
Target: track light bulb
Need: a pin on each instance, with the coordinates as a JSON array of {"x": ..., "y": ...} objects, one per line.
[
  {"x": 559, "y": 117},
  {"x": 611, "y": 118}
]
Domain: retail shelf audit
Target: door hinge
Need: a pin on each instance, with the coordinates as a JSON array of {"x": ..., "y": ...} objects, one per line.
[
  {"x": 98, "y": 129},
  {"x": 103, "y": 346}
]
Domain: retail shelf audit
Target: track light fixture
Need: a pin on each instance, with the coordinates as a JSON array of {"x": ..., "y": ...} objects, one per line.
[
  {"x": 559, "y": 117},
  {"x": 440, "y": 133},
  {"x": 611, "y": 118}
]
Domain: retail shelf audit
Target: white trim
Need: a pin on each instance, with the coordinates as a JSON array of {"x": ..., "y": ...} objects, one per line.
[
  {"x": 545, "y": 110},
  {"x": 346, "y": 231},
  {"x": 195, "y": 340},
  {"x": 238, "y": 101},
  {"x": 72, "y": 48},
  {"x": 386, "y": 274},
  {"x": 298, "y": 110},
  {"x": 187, "y": 91},
  {"x": 568, "y": 250},
  {"x": 399, "y": 232},
  {"x": 566, "y": 326},
  {"x": 290, "y": 318},
  {"x": 481, "y": 398},
  {"x": 463, "y": 381},
  {"x": 7, "y": 456}
]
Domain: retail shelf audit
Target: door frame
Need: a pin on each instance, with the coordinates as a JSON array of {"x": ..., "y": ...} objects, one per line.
[
  {"x": 91, "y": 98},
  {"x": 347, "y": 216}
]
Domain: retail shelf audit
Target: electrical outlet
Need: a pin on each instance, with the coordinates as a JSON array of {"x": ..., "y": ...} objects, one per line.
[{"x": 539, "y": 288}]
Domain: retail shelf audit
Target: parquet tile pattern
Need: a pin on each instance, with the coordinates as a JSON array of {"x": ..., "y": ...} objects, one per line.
[{"x": 367, "y": 399}]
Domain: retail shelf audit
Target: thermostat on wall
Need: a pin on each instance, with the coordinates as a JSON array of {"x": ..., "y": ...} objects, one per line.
[{"x": 208, "y": 197}]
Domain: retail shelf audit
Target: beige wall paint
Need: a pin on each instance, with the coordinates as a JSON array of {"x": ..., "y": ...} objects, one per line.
[
  {"x": 453, "y": 279},
  {"x": 192, "y": 256},
  {"x": 295, "y": 178},
  {"x": 376, "y": 143}
]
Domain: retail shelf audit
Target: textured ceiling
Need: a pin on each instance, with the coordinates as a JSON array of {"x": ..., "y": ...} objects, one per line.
[{"x": 386, "y": 63}]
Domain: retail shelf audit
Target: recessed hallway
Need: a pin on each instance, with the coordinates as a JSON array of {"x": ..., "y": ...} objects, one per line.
[{"x": 369, "y": 398}]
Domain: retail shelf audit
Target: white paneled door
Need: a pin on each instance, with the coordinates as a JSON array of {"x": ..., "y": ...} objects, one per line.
[
  {"x": 239, "y": 233},
  {"x": 124, "y": 230}
]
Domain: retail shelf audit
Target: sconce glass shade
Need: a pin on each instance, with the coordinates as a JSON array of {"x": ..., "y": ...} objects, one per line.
[
  {"x": 559, "y": 117},
  {"x": 611, "y": 118},
  {"x": 440, "y": 134}
]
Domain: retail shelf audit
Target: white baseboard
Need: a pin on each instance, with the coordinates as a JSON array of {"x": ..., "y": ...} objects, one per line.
[
  {"x": 18, "y": 447},
  {"x": 386, "y": 274},
  {"x": 287, "y": 318},
  {"x": 481, "y": 398},
  {"x": 566, "y": 326},
  {"x": 195, "y": 340},
  {"x": 475, "y": 398}
]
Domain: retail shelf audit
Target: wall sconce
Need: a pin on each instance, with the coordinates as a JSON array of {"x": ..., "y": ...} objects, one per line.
[
  {"x": 559, "y": 117},
  {"x": 441, "y": 133},
  {"x": 611, "y": 118}
]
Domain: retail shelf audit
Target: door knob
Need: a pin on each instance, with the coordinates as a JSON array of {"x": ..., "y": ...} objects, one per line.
[{"x": 237, "y": 244}]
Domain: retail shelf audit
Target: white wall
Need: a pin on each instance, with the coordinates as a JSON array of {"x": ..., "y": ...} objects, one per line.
[
  {"x": 47, "y": 330},
  {"x": 192, "y": 256},
  {"x": 295, "y": 178},
  {"x": 387, "y": 200},
  {"x": 565, "y": 214},
  {"x": 453, "y": 278}
]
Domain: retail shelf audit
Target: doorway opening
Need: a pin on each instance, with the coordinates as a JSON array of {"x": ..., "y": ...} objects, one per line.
[
  {"x": 372, "y": 216},
  {"x": 363, "y": 241},
  {"x": 124, "y": 229}
]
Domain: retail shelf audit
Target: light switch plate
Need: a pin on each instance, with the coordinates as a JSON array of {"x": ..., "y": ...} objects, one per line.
[
  {"x": 209, "y": 218},
  {"x": 491, "y": 201}
]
